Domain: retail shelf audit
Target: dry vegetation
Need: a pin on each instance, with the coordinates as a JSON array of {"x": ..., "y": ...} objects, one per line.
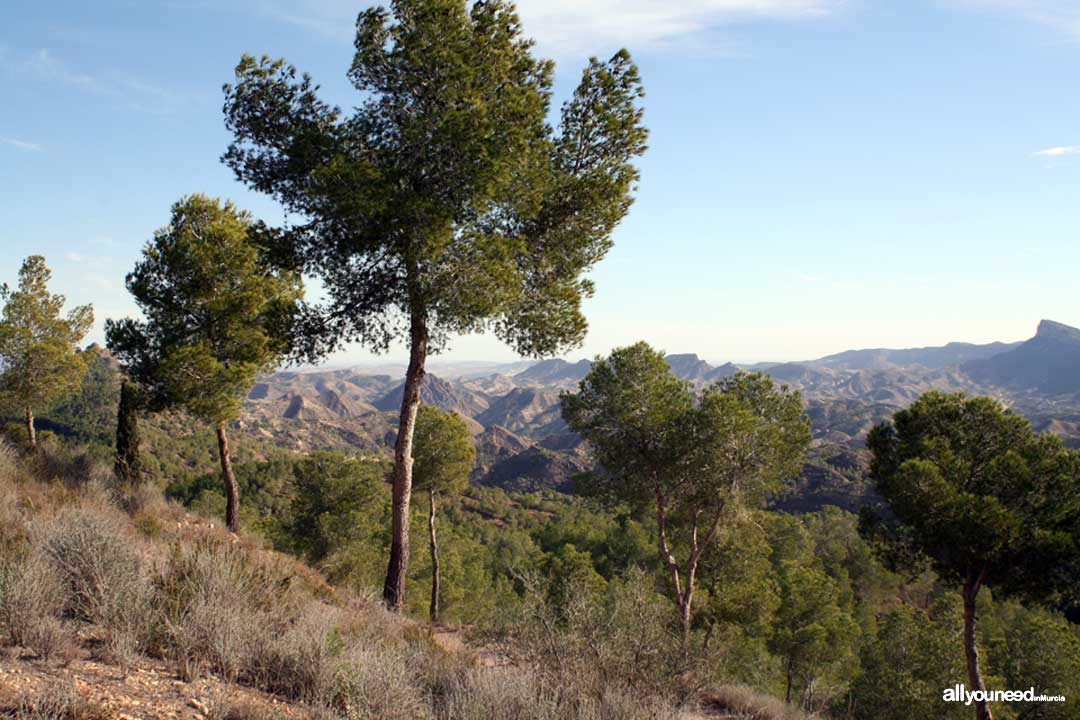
[{"x": 107, "y": 614}]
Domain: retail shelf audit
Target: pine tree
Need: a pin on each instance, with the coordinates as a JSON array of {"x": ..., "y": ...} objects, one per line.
[
  {"x": 443, "y": 459},
  {"x": 970, "y": 486},
  {"x": 40, "y": 360},
  {"x": 218, "y": 312},
  {"x": 446, "y": 203}
]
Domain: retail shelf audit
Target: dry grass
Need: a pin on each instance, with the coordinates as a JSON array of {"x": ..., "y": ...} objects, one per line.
[
  {"x": 59, "y": 700},
  {"x": 215, "y": 610},
  {"x": 744, "y": 702},
  {"x": 102, "y": 573},
  {"x": 31, "y": 600}
]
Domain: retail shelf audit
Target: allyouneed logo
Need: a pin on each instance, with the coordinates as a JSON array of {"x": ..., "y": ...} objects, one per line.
[{"x": 958, "y": 693}]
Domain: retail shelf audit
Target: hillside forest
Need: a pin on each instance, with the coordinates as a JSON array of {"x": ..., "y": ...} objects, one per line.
[{"x": 638, "y": 535}]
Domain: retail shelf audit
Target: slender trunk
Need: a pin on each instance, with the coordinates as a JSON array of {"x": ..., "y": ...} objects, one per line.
[
  {"x": 394, "y": 587},
  {"x": 972, "y": 585},
  {"x": 787, "y": 694},
  {"x": 31, "y": 435},
  {"x": 434, "y": 545},
  {"x": 672, "y": 566},
  {"x": 232, "y": 494},
  {"x": 692, "y": 560},
  {"x": 708, "y": 637}
]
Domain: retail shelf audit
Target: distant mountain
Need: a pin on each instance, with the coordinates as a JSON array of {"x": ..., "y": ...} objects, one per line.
[
  {"x": 494, "y": 445},
  {"x": 553, "y": 372},
  {"x": 448, "y": 396},
  {"x": 522, "y": 442},
  {"x": 526, "y": 411},
  {"x": 724, "y": 371},
  {"x": 1048, "y": 362},
  {"x": 689, "y": 367},
  {"x": 954, "y": 353},
  {"x": 535, "y": 468}
]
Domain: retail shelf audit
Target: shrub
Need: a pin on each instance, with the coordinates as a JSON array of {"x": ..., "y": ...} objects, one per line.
[
  {"x": 745, "y": 702},
  {"x": 31, "y": 599},
  {"x": 9, "y": 463},
  {"x": 102, "y": 575},
  {"x": 77, "y": 468},
  {"x": 326, "y": 660},
  {"x": 621, "y": 642},
  {"x": 501, "y": 694},
  {"x": 301, "y": 662},
  {"x": 59, "y": 700},
  {"x": 216, "y": 609}
]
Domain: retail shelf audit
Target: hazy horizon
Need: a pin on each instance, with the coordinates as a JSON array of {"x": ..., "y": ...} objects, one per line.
[{"x": 391, "y": 360}]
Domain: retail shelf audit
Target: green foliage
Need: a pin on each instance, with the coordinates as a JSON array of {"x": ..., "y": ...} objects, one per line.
[
  {"x": 1038, "y": 649},
  {"x": 337, "y": 501},
  {"x": 700, "y": 460},
  {"x": 217, "y": 313},
  {"x": 446, "y": 196},
  {"x": 443, "y": 452},
  {"x": 39, "y": 354},
  {"x": 908, "y": 664},
  {"x": 737, "y": 575},
  {"x": 980, "y": 493},
  {"x": 89, "y": 416},
  {"x": 629, "y": 408},
  {"x": 815, "y": 634}
]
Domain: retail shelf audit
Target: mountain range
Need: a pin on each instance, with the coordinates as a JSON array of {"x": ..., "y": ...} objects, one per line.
[{"x": 513, "y": 409}]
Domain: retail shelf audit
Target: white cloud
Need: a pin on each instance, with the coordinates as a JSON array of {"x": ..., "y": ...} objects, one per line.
[
  {"x": 576, "y": 27},
  {"x": 20, "y": 144},
  {"x": 136, "y": 93},
  {"x": 572, "y": 26},
  {"x": 1061, "y": 15},
  {"x": 1060, "y": 150}
]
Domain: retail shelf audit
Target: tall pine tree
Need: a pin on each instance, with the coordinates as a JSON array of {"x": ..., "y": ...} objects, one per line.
[{"x": 445, "y": 203}]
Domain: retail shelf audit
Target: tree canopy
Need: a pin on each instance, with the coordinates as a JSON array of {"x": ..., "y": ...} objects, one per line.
[
  {"x": 443, "y": 459},
  {"x": 217, "y": 311},
  {"x": 40, "y": 360},
  {"x": 698, "y": 458}
]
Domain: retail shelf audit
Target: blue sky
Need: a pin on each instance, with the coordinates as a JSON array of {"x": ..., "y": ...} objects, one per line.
[{"x": 822, "y": 174}]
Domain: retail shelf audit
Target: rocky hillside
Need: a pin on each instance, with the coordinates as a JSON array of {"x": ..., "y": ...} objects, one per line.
[
  {"x": 1047, "y": 363},
  {"x": 513, "y": 409}
]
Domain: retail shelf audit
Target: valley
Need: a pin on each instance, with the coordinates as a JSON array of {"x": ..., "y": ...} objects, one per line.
[{"x": 522, "y": 442}]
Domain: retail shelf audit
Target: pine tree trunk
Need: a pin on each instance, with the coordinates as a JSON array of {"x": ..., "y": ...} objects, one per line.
[
  {"x": 787, "y": 693},
  {"x": 396, "y": 571},
  {"x": 31, "y": 435},
  {"x": 971, "y": 650},
  {"x": 684, "y": 613},
  {"x": 232, "y": 494},
  {"x": 433, "y": 611}
]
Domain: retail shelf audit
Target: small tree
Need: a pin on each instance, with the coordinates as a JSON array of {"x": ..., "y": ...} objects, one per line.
[
  {"x": 40, "y": 360},
  {"x": 694, "y": 459},
  {"x": 991, "y": 503},
  {"x": 217, "y": 314},
  {"x": 446, "y": 203},
  {"x": 814, "y": 627},
  {"x": 443, "y": 457},
  {"x": 128, "y": 466}
]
